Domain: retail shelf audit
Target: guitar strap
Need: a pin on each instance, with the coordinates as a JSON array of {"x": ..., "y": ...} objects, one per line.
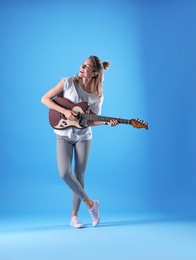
[{"x": 60, "y": 94}]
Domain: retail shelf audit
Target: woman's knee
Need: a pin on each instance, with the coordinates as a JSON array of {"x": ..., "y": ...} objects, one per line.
[{"x": 64, "y": 174}]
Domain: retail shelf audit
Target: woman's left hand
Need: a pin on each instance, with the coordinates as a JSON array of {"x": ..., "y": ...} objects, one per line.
[{"x": 113, "y": 122}]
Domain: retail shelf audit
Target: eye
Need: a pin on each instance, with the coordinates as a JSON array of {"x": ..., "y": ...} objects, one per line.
[{"x": 86, "y": 66}]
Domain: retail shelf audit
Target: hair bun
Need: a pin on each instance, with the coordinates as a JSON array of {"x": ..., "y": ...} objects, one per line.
[{"x": 106, "y": 65}]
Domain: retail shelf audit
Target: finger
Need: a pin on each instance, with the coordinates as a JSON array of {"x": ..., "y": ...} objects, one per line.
[
  {"x": 74, "y": 113},
  {"x": 71, "y": 118}
]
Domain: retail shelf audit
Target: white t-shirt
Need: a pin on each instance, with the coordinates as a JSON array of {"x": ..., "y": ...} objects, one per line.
[{"x": 76, "y": 94}]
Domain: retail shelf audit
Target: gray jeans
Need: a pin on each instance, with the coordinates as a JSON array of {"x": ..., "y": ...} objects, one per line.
[{"x": 66, "y": 152}]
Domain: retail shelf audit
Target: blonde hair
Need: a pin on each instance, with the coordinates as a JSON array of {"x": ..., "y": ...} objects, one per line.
[{"x": 97, "y": 80}]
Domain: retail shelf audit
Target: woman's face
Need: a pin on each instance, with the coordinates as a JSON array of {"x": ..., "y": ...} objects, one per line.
[{"x": 86, "y": 69}]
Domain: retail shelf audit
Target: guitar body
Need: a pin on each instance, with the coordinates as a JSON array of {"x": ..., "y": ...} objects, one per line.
[{"x": 59, "y": 121}]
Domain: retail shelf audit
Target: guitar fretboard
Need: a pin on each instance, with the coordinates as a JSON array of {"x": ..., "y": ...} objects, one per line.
[{"x": 104, "y": 118}]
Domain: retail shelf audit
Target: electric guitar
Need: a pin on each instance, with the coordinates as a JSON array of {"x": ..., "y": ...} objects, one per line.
[{"x": 59, "y": 121}]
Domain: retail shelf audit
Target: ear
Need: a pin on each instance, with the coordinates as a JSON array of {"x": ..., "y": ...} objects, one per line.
[{"x": 95, "y": 74}]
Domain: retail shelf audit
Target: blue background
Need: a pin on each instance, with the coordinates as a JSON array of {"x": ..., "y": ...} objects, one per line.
[{"x": 151, "y": 47}]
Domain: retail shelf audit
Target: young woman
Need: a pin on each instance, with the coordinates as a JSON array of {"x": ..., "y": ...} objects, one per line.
[{"x": 72, "y": 141}]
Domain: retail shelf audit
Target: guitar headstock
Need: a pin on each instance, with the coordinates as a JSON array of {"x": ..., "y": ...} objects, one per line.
[{"x": 137, "y": 123}]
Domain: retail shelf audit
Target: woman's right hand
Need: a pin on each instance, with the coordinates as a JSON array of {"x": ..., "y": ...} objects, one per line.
[{"x": 69, "y": 115}]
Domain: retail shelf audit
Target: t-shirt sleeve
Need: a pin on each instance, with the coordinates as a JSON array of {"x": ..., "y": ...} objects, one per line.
[
  {"x": 66, "y": 83},
  {"x": 70, "y": 90}
]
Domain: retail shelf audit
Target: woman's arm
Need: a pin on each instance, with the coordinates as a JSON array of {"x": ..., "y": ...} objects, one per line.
[{"x": 47, "y": 100}]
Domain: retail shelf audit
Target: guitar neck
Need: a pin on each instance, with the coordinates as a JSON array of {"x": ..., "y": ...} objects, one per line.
[{"x": 104, "y": 118}]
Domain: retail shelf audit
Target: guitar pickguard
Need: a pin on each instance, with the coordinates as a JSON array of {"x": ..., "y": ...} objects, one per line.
[{"x": 64, "y": 122}]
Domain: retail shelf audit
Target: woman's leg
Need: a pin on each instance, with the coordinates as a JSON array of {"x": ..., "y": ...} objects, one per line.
[
  {"x": 81, "y": 150},
  {"x": 64, "y": 161}
]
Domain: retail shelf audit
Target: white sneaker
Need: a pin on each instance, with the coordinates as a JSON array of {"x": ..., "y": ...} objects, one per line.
[
  {"x": 94, "y": 212},
  {"x": 75, "y": 222}
]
